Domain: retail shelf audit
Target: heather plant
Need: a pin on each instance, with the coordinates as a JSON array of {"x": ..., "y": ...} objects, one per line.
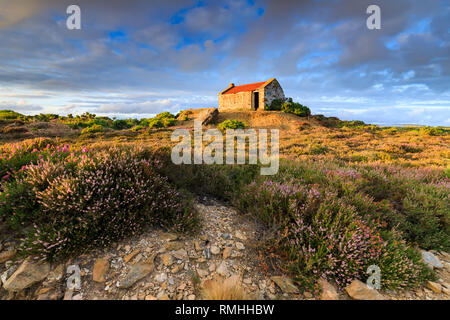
[
  {"x": 89, "y": 199},
  {"x": 402, "y": 266},
  {"x": 327, "y": 227},
  {"x": 14, "y": 158}
]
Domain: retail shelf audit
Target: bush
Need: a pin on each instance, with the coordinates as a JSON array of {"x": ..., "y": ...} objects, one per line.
[
  {"x": 275, "y": 105},
  {"x": 335, "y": 221},
  {"x": 93, "y": 129},
  {"x": 10, "y": 115},
  {"x": 162, "y": 120},
  {"x": 232, "y": 124},
  {"x": 120, "y": 124},
  {"x": 433, "y": 131},
  {"x": 288, "y": 106},
  {"x": 92, "y": 199},
  {"x": 156, "y": 123},
  {"x": 296, "y": 108},
  {"x": 137, "y": 128}
]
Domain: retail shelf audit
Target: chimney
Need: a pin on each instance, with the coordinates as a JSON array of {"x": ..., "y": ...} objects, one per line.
[{"x": 231, "y": 85}]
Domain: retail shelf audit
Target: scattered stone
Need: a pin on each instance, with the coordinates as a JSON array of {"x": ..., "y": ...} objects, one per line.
[
  {"x": 431, "y": 260},
  {"x": 163, "y": 296},
  {"x": 240, "y": 235},
  {"x": 77, "y": 297},
  {"x": 215, "y": 250},
  {"x": 240, "y": 246},
  {"x": 222, "y": 269},
  {"x": 5, "y": 275},
  {"x": 191, "y": 297},
  {"x": 167, "y": 236},
  {"x": 285, "y": 284},
  {"x": 446, "y": 291},
  {"x": 137, "y": 272},
  {"x": 177, "y": 268},
  {"x": 7, "y": 255},
  {"x": 202, "y": 273},
  {"x": 208, "y": 253},
  {"x": 180, "y": 254},
  {"x": 161, "y": 277},
  {"x": 174, "y": 245},
  {"x": 57, "y": 274},
  {"x": 150, "y": 297},
  {"x": 167, "y": 259},
  {"x": 435, "y": 287},
  {"x": 308, "y": 295},
  {"x": 226, "y": 252},
  {"x": 26, "y": 275},
  {"x": 360, "y": 291},
  {"x": 68, "y": 294},
  {"x": 101, "y": 268},
  {"x": 328, "y": 291},
  {"x": 226, "y": 236},
  {"x": 131, "y": 255},
  {"x": 212, "y": 267},
  {"x": 197, "y": 245},
  {"x": 127, "y": 248}
]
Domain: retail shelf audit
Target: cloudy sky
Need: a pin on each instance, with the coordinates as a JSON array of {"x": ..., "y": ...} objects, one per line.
[{"x": 138, "y": 58}]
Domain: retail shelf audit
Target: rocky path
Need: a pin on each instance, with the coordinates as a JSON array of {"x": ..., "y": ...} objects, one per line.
[{"x": 159, "y": 265}]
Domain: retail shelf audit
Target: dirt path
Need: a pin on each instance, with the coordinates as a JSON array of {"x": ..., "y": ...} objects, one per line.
[
  {"x": 158, "y": 265},
  {"x": 226, "y": 245}
]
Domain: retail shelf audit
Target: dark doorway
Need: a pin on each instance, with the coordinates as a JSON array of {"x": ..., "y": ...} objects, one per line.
[{"x": 256, "y": 100}]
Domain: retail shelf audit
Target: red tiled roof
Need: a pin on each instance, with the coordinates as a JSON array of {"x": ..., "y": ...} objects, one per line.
[{"x": 245, "y": 87}]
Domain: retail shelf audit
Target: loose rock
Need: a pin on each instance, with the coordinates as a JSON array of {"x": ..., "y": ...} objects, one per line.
[
  {"x": 431, "y": 260},
  {"x": 436, "y": 287},
  {"x": 101, "y": 268},
  {"x": 26, "y": 275},
  {"x": 360, "y": 291},
  {"x": 328, "y": 291},
  {"x": 285, "y": 284},
  {"x": 137, "y": 272}
]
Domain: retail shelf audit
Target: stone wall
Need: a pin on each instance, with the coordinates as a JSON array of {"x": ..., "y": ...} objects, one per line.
[
  {"x": 270, "y": 92},
  {"x": 235, "y": 101}
]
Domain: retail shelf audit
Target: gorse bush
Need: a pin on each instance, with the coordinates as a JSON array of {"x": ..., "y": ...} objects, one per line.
[
  {"x": 162, "y": 120},
  {"x": 288, "y": 106},
  {"x": 10, "y": 115},
  {"x": 91, "y": 199},
  {"x": 232, "y": 124},
  {"x": 93, "y": 129}
]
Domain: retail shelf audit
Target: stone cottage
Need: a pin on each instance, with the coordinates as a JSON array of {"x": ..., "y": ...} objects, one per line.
[{"x": 251, "y": 96}]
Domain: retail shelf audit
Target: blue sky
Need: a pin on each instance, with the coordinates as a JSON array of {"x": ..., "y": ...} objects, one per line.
[{"x": 139, "y": 58}]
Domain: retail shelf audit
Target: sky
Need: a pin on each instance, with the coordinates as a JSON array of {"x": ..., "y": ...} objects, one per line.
[{"x": 139, "y": 58}]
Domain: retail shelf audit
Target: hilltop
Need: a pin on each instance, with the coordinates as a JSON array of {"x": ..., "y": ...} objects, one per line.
[{"x": 338, "y": 179}]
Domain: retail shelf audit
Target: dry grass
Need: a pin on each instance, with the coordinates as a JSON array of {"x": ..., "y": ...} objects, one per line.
[
  {"x": 220, "y": 289},
  {"x": 300, "y": 138}
]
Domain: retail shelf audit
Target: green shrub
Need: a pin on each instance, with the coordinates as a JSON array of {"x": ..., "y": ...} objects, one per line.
[
  {"x": 10, "y": 115},
  {"x": 137, "y": 128},
  {"x": 275, "y": 105},
  {"x": 120, "y": 124},
  {"x": 232, "y": 124},
  {"x": 316, "y": 149},
  {"x": 93, "y": 129},
  {"x": 296, "y": 108},
  {"x": 433, "y": 131},
  {"x": 156, "y": 123}
]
